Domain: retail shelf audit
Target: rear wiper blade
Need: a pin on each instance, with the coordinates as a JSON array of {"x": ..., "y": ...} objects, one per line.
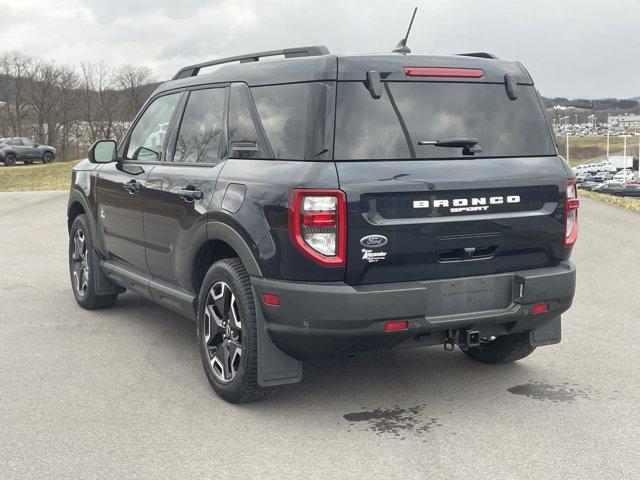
[
  {"x": 451, "y": 142},
  {"x": 469, "y": 145}
]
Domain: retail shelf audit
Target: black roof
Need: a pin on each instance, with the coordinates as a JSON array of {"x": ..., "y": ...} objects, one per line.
[{"x": 319, "y": 66}]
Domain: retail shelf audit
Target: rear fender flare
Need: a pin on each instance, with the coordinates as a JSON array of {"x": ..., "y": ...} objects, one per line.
[{"x": 225, "y": 233}]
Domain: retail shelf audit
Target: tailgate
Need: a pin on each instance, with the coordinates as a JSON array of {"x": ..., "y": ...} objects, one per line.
[{"x": 425, "y": 219}]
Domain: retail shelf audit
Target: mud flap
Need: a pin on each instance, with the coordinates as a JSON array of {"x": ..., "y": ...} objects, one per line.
[
  {"x": 103, "y": 286},
  {"x": 547, "y": 334},
  {"x": 274, "y": 366}
]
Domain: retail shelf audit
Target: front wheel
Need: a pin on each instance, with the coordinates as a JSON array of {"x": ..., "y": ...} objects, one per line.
[
  {"x": 504, "y": 349},
  {"x": 81, "y": 266},
  {"x": 226, "y": 331},
  {"x": 47, "y": 157},
  {"x": 10, "y": 160}
]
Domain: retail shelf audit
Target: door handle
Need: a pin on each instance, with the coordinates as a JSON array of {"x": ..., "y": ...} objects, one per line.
[
  {"x": 132, "y": 186},
  {"x": 190, "y": 193}
]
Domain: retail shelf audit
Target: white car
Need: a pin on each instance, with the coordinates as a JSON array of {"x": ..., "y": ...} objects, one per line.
[{"x": 623, "y": 176}]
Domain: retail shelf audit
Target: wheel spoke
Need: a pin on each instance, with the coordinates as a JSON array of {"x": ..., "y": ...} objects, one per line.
[
  {"x": 234, "y": 316},
  {"x": 218, "y": 293},
  {"x": 235, "y": 353},
  {"x": 220, "y": 361},
  {"x": 215, "y": 322},
  {"x": 84, "y": 284},
  {"x": 77, "y": 248}
]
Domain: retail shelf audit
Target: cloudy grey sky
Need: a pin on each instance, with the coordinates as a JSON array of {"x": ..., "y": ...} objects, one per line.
[{"x": 573, "y": 48}]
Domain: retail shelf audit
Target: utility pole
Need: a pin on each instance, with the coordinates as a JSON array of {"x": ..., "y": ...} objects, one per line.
[
  {"x": 624, "y": 151},
  {"x": 608, "y": 132},
  {"x": 567, "y": 146},
  {"x": 638, "y": 171}
]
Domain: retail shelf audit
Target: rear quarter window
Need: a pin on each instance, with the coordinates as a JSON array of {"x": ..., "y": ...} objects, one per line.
[{"x": 283, "y": 112}]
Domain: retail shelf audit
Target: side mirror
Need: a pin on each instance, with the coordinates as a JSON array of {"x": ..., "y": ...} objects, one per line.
[{"x": 102, "y": 151}]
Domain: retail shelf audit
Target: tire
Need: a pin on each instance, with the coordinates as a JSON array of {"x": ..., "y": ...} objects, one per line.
[
  {"x": 47, "y": 157},
  {"x": 504, "y": 349},
  {"x": 81, "y": 263},
  {"x": 10, "y": 160},
  {"x": 226, "y": 325}
]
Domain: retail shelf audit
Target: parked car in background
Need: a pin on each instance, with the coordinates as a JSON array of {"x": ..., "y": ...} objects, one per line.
[
  {"x": 582, "y": 168},
  {"x": 602, "y": 176},
  {"x": 588, "y": 185},
  {"x": 607, "y": 186},
  {"x": 623, "y": 176},
  {"x": 581, "y": 177},
  {"x": 630, "y": 190},
  {"x": 24, "y": 150}
]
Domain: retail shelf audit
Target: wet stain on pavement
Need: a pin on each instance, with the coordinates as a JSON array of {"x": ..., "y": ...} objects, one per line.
[
  {"x": 394, "y": 421},
  {"x": 565, "y": 392}
]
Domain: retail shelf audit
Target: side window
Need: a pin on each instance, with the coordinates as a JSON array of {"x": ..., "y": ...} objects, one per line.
[
  {"x": 16, "y": 142},
  {"x": 147, "y": 138},
  {"x": 28, "y": 143},
  {"x": 201, "y": 129},
  {"x": 245, "y": 137},
  {"x": 283, "y": 111}
]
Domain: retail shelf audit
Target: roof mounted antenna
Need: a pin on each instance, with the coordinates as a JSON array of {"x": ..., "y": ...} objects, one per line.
[{"x": 402, "y": 44}]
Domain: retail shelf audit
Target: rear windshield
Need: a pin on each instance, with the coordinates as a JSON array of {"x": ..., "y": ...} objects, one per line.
[{"x": 407, "y": 113}]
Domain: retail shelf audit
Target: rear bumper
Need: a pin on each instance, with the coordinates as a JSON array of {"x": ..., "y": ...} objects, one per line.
[{"x": 317, "y": 320}]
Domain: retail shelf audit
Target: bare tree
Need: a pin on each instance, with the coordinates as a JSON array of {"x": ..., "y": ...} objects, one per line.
[
  {"x": 15, "y": 71},
  {"x": 134, "y": 80},
  {"x": 57, "y": 105},
  {"x": 67, "y": 111},
  {"x": 99, "y": 99}
]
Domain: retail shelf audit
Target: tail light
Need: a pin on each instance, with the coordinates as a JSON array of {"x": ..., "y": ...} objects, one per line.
[
  {"x": 318, "y": 225},
  {"x": 571, "y": 218},
  {"x": 1, "y": 145}
]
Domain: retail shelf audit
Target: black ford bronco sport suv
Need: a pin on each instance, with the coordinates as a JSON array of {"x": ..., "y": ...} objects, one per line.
[{"x": 317, "y": 205}]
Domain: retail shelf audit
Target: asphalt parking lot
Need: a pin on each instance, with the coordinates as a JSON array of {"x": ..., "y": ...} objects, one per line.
[{"x": 120, "y": 393}]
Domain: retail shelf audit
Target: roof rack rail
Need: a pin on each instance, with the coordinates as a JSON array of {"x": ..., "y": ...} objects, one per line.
[
  {"x": 312, "y": 51},
  {"x": 479, "y": 55}
]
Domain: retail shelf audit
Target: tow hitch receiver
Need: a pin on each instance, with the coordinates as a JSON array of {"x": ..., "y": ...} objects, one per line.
[
  {"x": 467, "y": 338},
  {"x": 464, "y": 338},
  {"x": 472, "y": 338}
]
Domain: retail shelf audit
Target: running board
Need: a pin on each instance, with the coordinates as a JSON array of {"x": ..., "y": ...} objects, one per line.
[{"x": 169, "y": 296}]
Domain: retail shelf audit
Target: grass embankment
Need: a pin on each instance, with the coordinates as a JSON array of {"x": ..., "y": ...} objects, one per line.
[
  {"x": 39, "y": 176},
  {"x": 583, "y": 149},
  {"x": 624, "y": 202}
]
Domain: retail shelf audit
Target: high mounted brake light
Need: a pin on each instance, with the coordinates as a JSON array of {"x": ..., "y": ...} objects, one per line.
[
  {"x": 571, "y": 214},
  {"x": 443, "y": 72},
  {"x": 318, "y": 225}
]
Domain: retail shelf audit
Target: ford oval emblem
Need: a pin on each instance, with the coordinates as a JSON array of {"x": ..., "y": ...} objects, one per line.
[{"x": 373, "y": 241}]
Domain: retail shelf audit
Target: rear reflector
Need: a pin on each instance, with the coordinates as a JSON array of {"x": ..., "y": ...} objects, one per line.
[
  {"x": 540, "y": 308},
  {"x": 443, "y": 72},
  {"x": 271, "y": 299},
  {"x": 396, "y": 326}
]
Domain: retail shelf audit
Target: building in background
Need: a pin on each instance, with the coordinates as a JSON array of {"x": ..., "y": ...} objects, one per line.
[{"x": 625, "y": 121}]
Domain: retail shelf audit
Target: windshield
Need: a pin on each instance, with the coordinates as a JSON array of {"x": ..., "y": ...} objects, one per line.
[{"x": 415, "y": 120}]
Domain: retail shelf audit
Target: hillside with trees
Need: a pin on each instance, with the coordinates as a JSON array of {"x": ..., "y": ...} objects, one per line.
[{"x": 69, "y": 107}]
